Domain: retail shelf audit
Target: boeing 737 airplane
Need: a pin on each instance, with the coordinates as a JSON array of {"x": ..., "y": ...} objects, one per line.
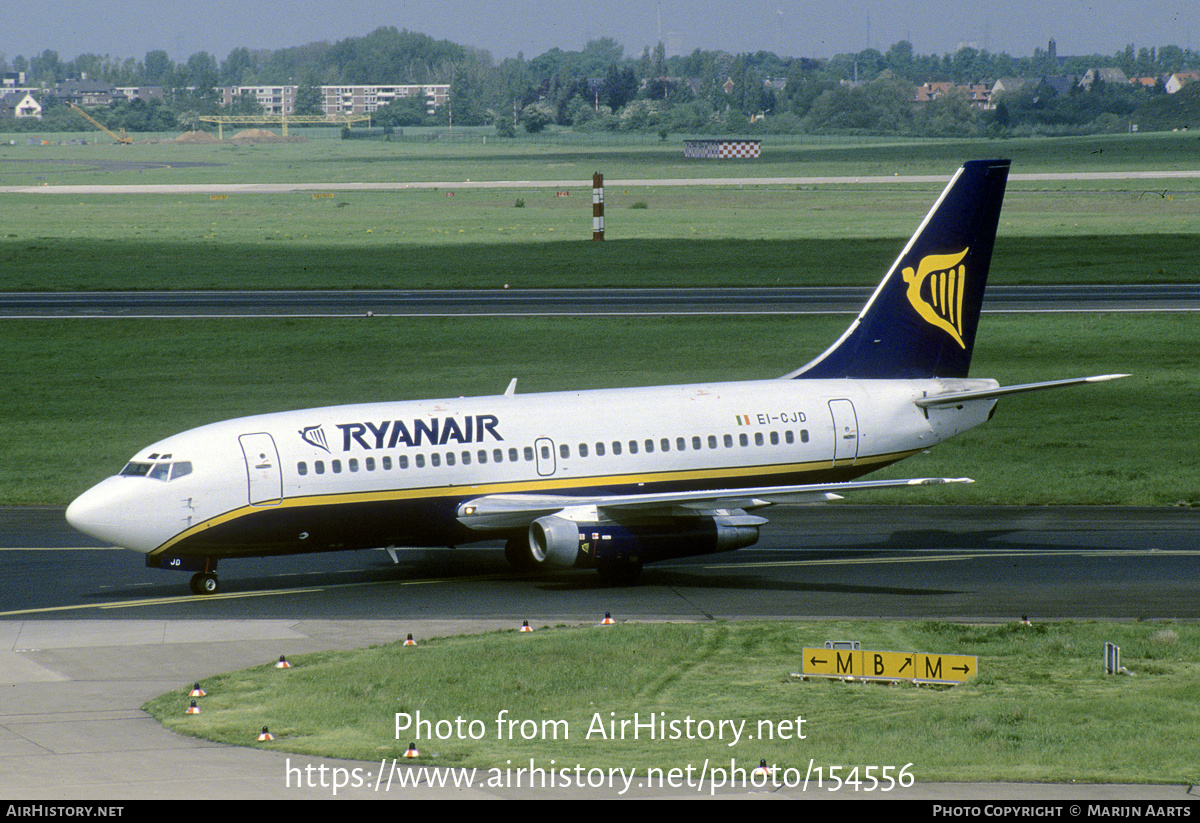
[{"x": 607, "y": 479}]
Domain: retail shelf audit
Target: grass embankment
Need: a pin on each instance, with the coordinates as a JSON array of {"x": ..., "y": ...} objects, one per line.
[
  {"x": 1041, "y": 708},
  {"x": 93, "y": 392}
]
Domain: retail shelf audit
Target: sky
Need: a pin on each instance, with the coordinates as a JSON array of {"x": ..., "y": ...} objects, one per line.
[{"x": 504, "y": 28}]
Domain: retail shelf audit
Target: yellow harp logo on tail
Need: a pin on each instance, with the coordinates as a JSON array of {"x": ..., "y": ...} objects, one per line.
[{"x": 939, "y": 304}]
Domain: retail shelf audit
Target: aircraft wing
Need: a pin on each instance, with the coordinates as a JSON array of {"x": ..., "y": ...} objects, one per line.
[{"x": 505, "y": 511}]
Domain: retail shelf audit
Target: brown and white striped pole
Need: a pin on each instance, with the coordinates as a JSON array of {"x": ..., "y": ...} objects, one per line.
[{"x": 597, "y": 206}]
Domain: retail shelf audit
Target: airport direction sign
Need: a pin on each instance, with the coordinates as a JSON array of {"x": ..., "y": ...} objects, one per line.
[{"x": 864, "y": 664}]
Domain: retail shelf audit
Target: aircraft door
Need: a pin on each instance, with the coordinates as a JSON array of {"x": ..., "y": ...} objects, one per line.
[
  {"x": 544, "y": 448},
  {"x": 263, "y": 476},
  {"x": 845, "y": 432}
]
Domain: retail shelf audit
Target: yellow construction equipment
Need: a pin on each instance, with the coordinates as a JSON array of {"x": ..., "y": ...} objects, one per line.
[
  {"x": 121, "y": 138},
  {"x": 282, "y": 120}
]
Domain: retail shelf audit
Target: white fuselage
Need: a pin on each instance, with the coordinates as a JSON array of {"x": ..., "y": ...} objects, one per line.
[{"x": 379, "y": 474}]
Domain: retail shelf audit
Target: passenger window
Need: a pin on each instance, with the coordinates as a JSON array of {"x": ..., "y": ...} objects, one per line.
[
  {"x": 665, "y": 444},
  {"x": 599, "y": 449},
  {"x": 633, "y": 447},
  {"x": 788, "y": 437},
  {"x": 616, "y": 447},
  {"x": 435, "y": 459},
  {"x": 804, "y": 435},
  {"x": 387, "y": 463},
  {"x": 729, "y": 441},
  {"x": 712, "y": 441},
  {"x": 301, "y": 468},
  {"x": 353, "y": 464},
  {"x": 758, "y": 438},
  {"x": 512, "y": 454},
  {"x": 482, "y": 455},
  {"x": 743, "y": 439},
  {"x": 337, "y": 466},
  {"x": 498, "y": 455},
  {"x": 583, "y": 450},
  {"x": 319, "y": 466},
  {"x": 564, "y": 450},
  {"x": 420, "y": 461},
  {"x": 529, "y": 453},
  {"x": 449, "y": 458},
  {"x": 370, "y": 461},
  {"x": 649, "y": 446}
]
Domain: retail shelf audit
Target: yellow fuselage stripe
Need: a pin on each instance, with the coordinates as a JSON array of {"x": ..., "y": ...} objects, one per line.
[{"x": 547, "y": 484}]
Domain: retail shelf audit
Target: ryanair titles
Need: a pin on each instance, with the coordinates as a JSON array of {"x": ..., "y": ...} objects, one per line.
[
  {"x": 432, "y": 431},
  {"x": 388, "y": 434}
]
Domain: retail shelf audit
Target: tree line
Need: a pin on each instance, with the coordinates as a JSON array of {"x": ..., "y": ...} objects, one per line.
[{"x": 601, "y": 88}]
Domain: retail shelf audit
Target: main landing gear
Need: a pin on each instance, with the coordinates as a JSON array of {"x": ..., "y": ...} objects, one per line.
[{"x": 204, "y": 583}]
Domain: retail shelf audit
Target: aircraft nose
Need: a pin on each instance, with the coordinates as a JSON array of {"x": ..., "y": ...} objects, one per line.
[{"x": 103, "y": 512}]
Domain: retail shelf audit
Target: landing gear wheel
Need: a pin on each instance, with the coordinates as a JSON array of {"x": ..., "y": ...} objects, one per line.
[
  {"x": 518, "y": 555},
  {"x": 204, "y": 583}
]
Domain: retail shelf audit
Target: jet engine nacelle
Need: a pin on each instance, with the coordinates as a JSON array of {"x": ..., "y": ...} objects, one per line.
[{"x": 558, "y": 542}]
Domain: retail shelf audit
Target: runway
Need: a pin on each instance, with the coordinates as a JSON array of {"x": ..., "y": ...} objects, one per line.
[{"x": 565, "y": 302}]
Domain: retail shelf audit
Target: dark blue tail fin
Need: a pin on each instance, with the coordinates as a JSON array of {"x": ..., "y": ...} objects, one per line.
[{"x": 921, "y": 320}]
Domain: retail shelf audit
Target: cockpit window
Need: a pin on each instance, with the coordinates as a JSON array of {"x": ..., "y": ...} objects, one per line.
[{"x": 157, "y": 470}]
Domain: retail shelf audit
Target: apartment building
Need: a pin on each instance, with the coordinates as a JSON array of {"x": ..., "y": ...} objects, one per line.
[
  {"x": 273, "y": 99},
  {"x": 338, "y": 99},
  {"x": 367, "y": 99}
]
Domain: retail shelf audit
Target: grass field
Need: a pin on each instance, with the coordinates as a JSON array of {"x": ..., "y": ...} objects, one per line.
[
  {"x": 478, "y": 239},
  {"x": 1123, "y": 231},
  {"x": 1041, "y": 708}
]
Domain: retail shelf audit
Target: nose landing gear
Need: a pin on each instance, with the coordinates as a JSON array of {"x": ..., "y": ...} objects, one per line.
[{"x": 204, "y": 583}]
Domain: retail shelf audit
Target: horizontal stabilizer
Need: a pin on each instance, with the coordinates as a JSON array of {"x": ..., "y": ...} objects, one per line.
[{"x": 982, "y": 394}]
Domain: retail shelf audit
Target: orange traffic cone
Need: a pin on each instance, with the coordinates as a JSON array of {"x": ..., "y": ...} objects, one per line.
[
  {"x": 410, "y": 641},
  {"x": 283, "y": 664},
  {"x": 411, "y": 751},
  {"x": 525, "y": 626},
  {"x": 196, "y": 691},
  {"x": 193, "y": 709},
  {"x": 265, "y": 735},
  {"x": 607, "y": 621}
]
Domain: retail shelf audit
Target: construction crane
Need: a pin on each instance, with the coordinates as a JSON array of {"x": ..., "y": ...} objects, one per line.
[{"x": 121, "y": 138}]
